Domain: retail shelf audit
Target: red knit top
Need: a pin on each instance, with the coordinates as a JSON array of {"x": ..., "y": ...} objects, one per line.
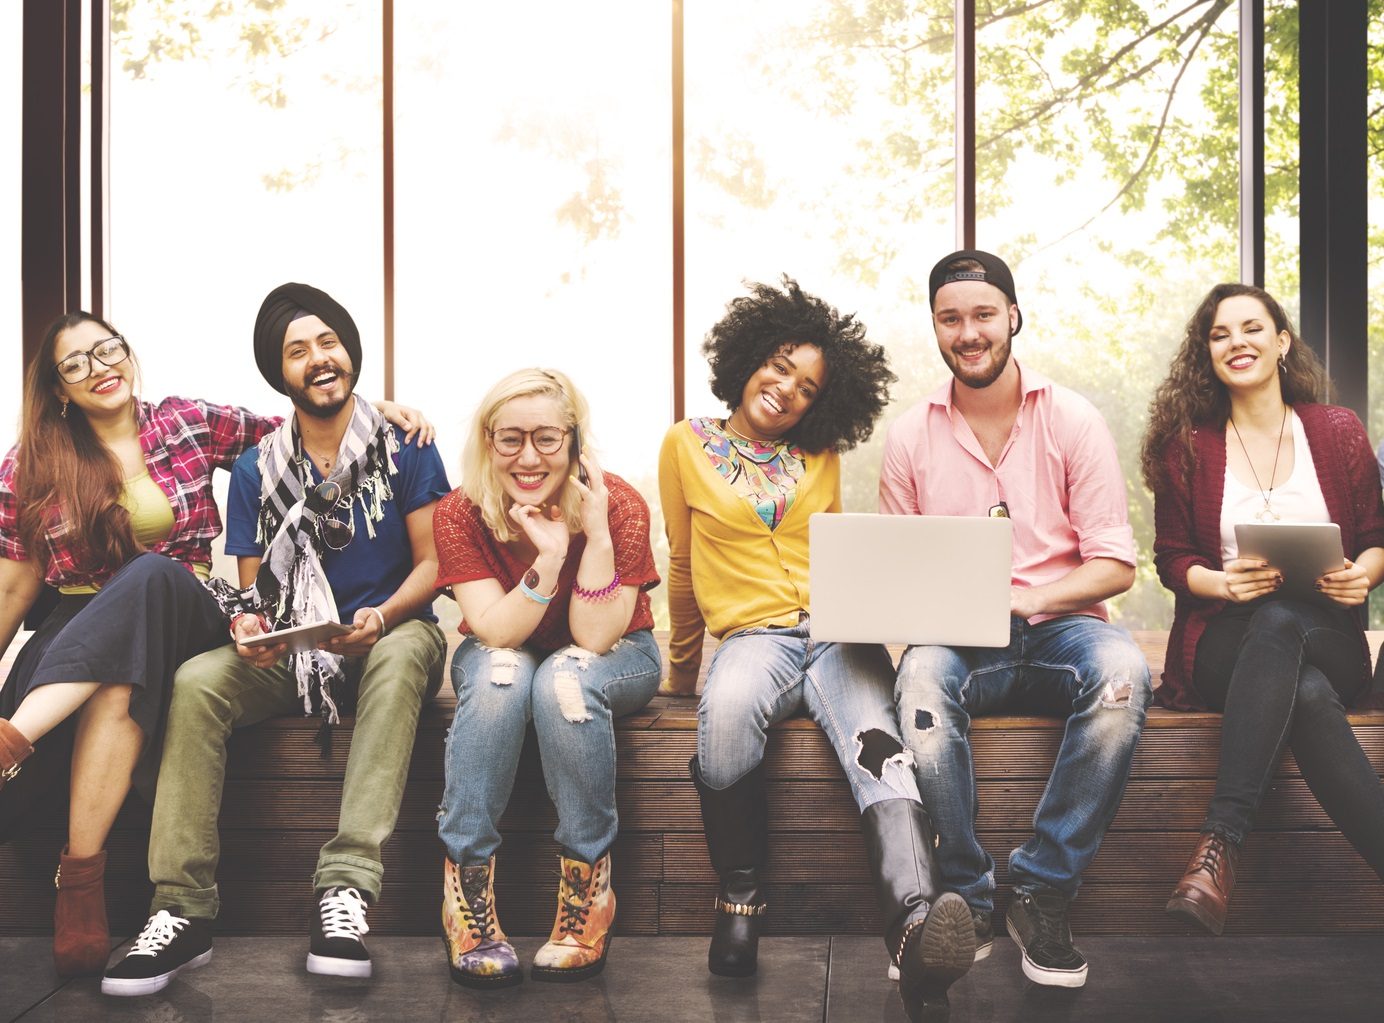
[
  {"x": 1187, "y": 524},
  {"x": 467, "y": 550}
]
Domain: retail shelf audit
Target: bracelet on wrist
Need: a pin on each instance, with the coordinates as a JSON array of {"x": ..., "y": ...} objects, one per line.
[
  {"x": 384, "y": 629},
  {"x": 264, "y": 623},
  {"x": 600, "y": 596},
  {"x": 526, "y": 587}
]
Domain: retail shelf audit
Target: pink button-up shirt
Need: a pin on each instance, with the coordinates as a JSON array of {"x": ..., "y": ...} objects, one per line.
[{"x": 1059, "y": 474}]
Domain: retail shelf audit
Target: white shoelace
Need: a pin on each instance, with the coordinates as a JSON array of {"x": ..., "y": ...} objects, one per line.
[
  {"x": 343, "y": 914},
  {"x": 161, "y": 929}
]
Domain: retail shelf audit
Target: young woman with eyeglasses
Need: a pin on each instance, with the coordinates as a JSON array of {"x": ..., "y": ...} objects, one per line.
[
  {"x": 551, "y": 576},
  {"x": 108, "y": 499}
]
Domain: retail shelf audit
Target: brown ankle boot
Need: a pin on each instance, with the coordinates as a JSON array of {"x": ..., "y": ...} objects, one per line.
[
  {"x": 581, "y": 934},
  {"x": 81, "y": 937},
  {"x": 14, "y": 750},
  {"x": 1203, "y": 893}
]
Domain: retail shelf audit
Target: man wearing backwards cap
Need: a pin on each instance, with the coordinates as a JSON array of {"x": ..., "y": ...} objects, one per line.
[
  {"x": 998, "y": 439},
  {"x": 331, "y": 519}
]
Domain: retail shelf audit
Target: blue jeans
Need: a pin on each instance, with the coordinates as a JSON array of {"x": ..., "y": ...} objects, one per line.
[
  {"x": 760, "y": 676},
  {"x": 573, "y": 698},
  {"x": 1076, "y": 667}
]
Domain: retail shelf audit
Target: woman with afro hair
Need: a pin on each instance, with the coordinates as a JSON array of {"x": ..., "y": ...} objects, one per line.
[{"x": 803, "y": 385}]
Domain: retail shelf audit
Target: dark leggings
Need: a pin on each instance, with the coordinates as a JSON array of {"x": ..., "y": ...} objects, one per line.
[{"x": 1282, "y": 670}]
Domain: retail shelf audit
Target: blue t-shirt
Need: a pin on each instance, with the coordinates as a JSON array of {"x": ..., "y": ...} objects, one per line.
[{"x": 366, "y": 572}]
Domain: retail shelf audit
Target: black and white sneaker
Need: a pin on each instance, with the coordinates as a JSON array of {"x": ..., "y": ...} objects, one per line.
[
  {"x": 336, "y": 932},
  {"x": 1037, "y": 921},
  {"x": 168, "y": 945},
  {"x": 985, "y": 933}
]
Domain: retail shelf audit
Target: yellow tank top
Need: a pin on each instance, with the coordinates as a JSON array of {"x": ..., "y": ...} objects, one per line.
[{"x": 151, "y": 516}]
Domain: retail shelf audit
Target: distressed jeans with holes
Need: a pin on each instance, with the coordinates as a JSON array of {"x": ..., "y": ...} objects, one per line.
[
  {"x": 760, "y": 676},
  {"x": 573, "y": 697},
  {"x": 1074, "y": 667}
]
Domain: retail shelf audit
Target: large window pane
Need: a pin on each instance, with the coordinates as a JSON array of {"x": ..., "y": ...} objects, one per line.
[
  {"x": 819, "y": 144},
  {"x": 245, "y": 152},
  {"x": 1107, "y": 149},
  {"x": 1282, "y": 190},
  {"x": 533, "y": 214},
  {"x": 11, "y": 325}
]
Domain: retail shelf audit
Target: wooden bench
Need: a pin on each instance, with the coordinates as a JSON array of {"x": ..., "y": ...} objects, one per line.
[{"x": 1298, "y": 874}]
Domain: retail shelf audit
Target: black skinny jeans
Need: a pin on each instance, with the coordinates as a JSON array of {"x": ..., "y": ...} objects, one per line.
[{"x": 1281, "y": 670}]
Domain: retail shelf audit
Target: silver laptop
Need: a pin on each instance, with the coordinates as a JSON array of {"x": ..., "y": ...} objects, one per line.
[{"x": 938, "y": 579}]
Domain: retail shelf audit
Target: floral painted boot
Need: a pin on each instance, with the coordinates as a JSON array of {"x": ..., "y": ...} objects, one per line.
[
  {"x": 478, "y": 953},
  {"x": 581, "y": 937}
]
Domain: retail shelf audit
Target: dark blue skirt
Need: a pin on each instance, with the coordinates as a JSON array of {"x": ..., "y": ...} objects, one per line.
[{"x": 136, "y": 630}]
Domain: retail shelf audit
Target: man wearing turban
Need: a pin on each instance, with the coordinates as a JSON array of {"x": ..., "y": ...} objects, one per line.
[{"x": 330, "y": 518}]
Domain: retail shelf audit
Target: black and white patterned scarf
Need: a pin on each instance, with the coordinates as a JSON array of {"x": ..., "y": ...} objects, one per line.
[{"x": 291, "y": 587}]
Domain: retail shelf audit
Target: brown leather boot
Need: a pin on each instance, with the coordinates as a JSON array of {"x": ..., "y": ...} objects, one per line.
[
  {"x": 81, "y": 937},
  {"x": 1204, "y": 891},
  {"x": 580, "y": 940},
  {"x": 14, "y": 750}
]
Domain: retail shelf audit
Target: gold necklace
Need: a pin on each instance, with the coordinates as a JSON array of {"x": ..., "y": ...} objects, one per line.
[
  {"x": 752, "y": 440},
  {"x": 1266, "y": 513}
]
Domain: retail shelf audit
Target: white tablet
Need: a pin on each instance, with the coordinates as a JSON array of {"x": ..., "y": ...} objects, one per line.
[
  {"x": 299, "y": 637},
  {"x": 1302, "y": 551}
]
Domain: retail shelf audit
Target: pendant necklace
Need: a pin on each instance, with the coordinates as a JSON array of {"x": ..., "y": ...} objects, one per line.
[{"x": 1266, "y": 513}]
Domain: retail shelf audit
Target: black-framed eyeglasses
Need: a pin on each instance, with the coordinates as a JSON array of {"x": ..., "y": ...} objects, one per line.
[
  {"x": 547, "y": 440},
  {"x": 323, "y": 501},
  {"x": 77, "y": 367}
]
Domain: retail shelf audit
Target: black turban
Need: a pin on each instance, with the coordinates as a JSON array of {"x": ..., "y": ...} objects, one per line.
[
  {"x": 996, "y": 272},
  {"x": 281, "y": 307}
]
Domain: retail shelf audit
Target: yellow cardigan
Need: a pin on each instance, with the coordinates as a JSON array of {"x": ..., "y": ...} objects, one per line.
[{"x": 727, "y": 570}]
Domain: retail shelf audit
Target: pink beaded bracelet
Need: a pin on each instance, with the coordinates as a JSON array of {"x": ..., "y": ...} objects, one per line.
[{"x": 598, "y": 596}]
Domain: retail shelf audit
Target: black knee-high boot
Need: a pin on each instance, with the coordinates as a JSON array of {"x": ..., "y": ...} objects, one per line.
[
  {"x": 736, "y": 837},
  {"x": 930, "y": 933}
]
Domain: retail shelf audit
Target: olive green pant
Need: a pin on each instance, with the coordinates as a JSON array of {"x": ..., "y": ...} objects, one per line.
[{"x": 219, "y": 691}]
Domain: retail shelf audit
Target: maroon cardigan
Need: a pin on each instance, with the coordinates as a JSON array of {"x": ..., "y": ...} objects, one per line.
[{"x": 1187, "y": 526}]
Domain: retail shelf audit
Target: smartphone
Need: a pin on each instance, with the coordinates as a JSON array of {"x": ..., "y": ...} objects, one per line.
[{"x": 576, "y": 456}]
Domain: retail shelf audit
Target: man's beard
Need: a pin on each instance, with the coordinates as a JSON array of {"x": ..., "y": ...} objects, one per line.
[
  {"x": 997, "y": 366},
  {"x": 304, "y": 403}
]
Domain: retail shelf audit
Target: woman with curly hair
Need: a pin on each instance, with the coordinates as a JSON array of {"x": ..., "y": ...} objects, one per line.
[
  {"x": 803, "y": 385},
  {"x": 1236, "y": 435}
]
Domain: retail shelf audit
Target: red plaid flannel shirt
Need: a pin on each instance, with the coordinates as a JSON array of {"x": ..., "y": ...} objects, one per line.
[{"x": 183, "y": 441}]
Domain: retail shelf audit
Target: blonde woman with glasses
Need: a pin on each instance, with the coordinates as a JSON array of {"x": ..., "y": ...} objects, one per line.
[{"x": 549, "y": 559}]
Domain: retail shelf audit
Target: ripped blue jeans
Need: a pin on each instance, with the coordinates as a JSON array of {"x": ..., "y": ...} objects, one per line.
[
  {"x": 760, "y": 676},
  {"x": 1075, "y": 667},
  {"x": 573, "y": 698}
]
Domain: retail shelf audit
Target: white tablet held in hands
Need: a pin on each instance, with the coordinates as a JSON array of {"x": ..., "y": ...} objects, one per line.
[
  {"x": 1302, "y": 551},
  {"x": 299, "y": 637}
]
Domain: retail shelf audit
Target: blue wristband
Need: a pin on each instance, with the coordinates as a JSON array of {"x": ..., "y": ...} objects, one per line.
[{"x": 533, "y": 594}]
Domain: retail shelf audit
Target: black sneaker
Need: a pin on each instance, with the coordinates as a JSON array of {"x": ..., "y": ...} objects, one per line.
[
  {"x": 1038, "y": 922},
  {"x": 168, "y": 945},
  {"x": 337, "y": 926},
  {"x": 985, "y": 933}
]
